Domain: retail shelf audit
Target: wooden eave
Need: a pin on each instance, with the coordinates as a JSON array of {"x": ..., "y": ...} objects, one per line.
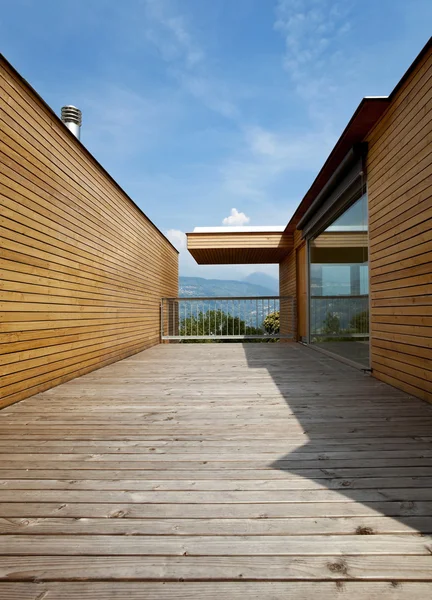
[
  {"x": 229, "y": 248},
  {"x": 367, "y": 115}
]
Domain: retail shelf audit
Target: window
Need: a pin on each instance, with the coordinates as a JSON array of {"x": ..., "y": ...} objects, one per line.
[{"x": 339, "y": 285}]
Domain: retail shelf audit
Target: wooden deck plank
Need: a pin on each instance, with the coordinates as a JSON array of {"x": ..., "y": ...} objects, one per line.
[
  {"x": 94, "y": 545},
  {"x": 260, "y": 470},
  {"x": 217, "y": 568},
  {"x": 221, "y": 497},
  {"x": 369, "y": 525},
  {"x": 237, "y": 485},
  {"x": 237, "y": 590},
  {"x": 324, "y": 472},
  {"x": 213, "y": 511}
]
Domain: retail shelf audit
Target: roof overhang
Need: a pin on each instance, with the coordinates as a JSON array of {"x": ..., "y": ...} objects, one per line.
[
  {"x": 235, "y": 246},
  {"x": 368, "y": 113},
  {"x": 221, "y": 247}
]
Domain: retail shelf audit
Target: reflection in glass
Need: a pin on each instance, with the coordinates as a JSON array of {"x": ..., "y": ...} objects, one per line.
[{"x": 339, "y": 285}]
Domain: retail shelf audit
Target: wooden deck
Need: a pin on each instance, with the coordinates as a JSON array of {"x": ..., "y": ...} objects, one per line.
[{"x": 231, "y": 471}]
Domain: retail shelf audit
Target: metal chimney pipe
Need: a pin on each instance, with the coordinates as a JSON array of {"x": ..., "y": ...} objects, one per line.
[{"x": 72, "y": 118}]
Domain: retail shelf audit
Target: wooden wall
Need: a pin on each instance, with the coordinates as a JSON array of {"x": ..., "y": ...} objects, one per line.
[
  {"x": 399, "y": 166},
  {"x": 302, "y": 295},
  {"x": 239, "y": 247},
  {"x": 82, "y": 268},
  {"x": 292, "y": 282}
]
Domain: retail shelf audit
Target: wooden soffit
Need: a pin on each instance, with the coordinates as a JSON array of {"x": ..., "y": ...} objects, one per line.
[{"x": 239, "y": 248}]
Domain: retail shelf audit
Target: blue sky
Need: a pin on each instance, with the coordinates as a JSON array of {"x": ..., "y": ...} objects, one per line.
[{"x": 197, "y": 107}]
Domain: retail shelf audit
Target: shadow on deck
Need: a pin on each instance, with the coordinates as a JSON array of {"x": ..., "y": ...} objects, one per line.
[
  {"x": 365, "y": 439},
  {"x": 193, "y": 471}
]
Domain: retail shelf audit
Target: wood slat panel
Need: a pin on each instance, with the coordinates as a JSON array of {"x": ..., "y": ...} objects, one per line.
[
  {"x": 400, "y": 227},
  {"x": 83, "y": 268},
  {"x": 291, "y": 282},
  {"x": 239, "y": 248}
]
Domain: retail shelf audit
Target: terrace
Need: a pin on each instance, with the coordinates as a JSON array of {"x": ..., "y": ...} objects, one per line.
[
  {"x": 191, "y": 471},
  {"x": 140, "y": 469}
]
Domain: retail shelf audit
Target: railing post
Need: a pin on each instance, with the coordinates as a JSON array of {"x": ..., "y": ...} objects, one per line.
[{"x": 162, "y": 318}]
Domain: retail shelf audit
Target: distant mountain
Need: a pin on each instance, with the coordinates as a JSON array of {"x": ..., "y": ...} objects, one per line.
[
  {"x": 200, "y": 287},
  {"x": 263, "y": 280}
]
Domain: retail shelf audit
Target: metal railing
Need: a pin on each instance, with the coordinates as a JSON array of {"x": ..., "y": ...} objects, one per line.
[
  {"x": 339, "y": 316},
  {"x": 228, "y": 318}
]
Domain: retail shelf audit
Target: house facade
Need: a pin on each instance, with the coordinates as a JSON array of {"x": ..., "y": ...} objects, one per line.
[
  {"x": 82, "y": 268},
  {"x": 357, "y": 253}
]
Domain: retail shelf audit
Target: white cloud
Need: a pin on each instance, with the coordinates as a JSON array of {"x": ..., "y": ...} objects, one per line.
[
  {"x": 262, "y": 141},
  {"x": 213, "y": 94},
  {"x": 177, "y": 238},
  {"x": 288, "y": 150},
  {"x": 125, "y": 122},
  {"x": 265, "y": 156},
  {"x": 236, "y": 218},
  {"x": 170, "y": 35},
  {"x": 268, "y": 157},
  {"x": 312, "y": 30}
]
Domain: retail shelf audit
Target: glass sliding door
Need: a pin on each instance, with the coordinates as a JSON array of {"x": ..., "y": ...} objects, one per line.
[{"x": 339, "y": 285}]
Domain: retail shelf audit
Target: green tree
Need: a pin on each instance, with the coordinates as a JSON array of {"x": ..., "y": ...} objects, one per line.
[
  {"x": 360, "y": 322},
  {"x": 271, "y": 323},
  {"x": 213, "y": 323}
]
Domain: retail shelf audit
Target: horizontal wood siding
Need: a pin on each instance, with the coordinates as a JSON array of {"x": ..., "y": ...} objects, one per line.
[
  {"x": 288, "y": 279},
  {"x": 240, "y": 240},
  {"x": 399, "y": 168},
  {"x": 302, "y": 295},
  {"x": 239, "y": 248},
  {"x": 83, "y": 270}
]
